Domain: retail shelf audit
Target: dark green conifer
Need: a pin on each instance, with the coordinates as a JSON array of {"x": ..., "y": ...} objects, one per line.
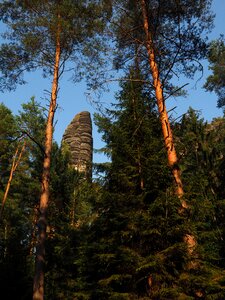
[
  {"x": 19, "y": 216},
  {"x": 134, "y": 247},
  {"x": 216, "y": 81}
]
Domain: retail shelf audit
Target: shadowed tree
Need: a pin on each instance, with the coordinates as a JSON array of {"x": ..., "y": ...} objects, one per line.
[
  {"x": 7, "y": 147},
  {"x": 16, "y": 160},
  {"x": 45, "y": 35},
  {"x": 216, "y": 81},
  {"x": 23, "y": 190}
]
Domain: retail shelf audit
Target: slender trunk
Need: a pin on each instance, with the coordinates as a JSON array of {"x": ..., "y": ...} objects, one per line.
[
  {"x": 141, "y": 179},
  {"x": 33, "y": 233},
  {"x": 15, "y": 163},
  {"x": 5, "y": 238},
  {"x": 72, "y": 213},
  {"x": 38, "y": 287},
  {"x": 165, "y": 123},
  {"x": 135, "y": 116}
]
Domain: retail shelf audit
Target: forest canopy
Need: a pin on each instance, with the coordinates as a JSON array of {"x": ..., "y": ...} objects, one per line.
[{"x": 149, "y": 223}]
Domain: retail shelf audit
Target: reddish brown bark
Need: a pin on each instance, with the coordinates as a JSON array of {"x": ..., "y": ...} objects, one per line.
[
  {"x": 165, "y": 123},
  {"x": 38, "y": 287},
  {"x": 16, "y": 160}
]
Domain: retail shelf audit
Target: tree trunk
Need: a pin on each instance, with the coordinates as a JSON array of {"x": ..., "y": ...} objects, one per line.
[
  {"x": 166, "y": 129},
  {"x": 189, "y": 239},
  {"x": 33, "y": 232},
  {"x": 38, "y": 287},
  {"x": 15, "y": 164}
]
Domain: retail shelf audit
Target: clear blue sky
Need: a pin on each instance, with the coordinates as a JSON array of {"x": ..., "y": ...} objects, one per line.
[{"x": 72, "y": 98}]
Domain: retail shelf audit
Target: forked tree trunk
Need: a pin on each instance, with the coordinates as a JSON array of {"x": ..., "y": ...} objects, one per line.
[
  {"x": 16, "y": 160},
  {"x": 38, "y": 287}
]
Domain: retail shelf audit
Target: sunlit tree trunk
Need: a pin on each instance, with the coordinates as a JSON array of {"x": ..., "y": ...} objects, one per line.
[
  {"x": 16, "y": 160},
  {"x": 166, "y": 129},
  {"x": 189, "y": 239},
  {"x": 38, "y": 288}
]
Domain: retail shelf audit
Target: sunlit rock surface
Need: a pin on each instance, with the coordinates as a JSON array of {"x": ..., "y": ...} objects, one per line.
[{"x": 78, "y": 138}]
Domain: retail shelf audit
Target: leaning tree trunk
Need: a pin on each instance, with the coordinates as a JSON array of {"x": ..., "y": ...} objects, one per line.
[
  {"x": 38, "y": 286},
  {"x": 165, "y": 123},
  {"x": 15, "y": 163},
  {"x": 189, "y": 239}
]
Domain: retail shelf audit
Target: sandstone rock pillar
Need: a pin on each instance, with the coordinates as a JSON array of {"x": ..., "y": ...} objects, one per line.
[{"x": 78, "y": 138}]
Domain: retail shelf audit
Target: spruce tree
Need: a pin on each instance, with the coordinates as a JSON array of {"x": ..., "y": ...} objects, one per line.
[
  {"x": 134, "y": 246},
  {"x": 200, "y": 147}
]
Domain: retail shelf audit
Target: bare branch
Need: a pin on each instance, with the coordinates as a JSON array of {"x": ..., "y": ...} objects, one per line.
[{"x": 35, "y": 141}]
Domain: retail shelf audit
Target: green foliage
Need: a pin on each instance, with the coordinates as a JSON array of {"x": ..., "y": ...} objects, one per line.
[
  {"x": 31, "y": 37},
  {"x": 137, "y": 233},
  {"x": 200, "y": 147},
  {"x": 121, "y": 237},
  {"x": 216, "y": 81},
  {"x": 132, "y": 134},
  {"x": 7, "y": 145},
  {"x": 45, "y": 35},
  {"x": 17, "y": 223},
  {"x": 134, "y": 247},
  {"x": 176, "y": 29}
]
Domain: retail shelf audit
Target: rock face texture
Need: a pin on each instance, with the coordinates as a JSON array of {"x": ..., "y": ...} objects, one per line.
[{"x": 78, "y": 138}]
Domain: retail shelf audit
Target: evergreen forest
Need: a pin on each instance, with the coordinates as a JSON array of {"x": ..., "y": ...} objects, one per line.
[{"x": 150, "y": 222}]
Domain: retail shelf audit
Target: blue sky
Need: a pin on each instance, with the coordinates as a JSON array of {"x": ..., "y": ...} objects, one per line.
[{"x": 72, "y": 97}]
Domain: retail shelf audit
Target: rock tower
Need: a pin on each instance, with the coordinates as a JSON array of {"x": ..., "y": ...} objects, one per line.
[{"x": 78, "y": 138}]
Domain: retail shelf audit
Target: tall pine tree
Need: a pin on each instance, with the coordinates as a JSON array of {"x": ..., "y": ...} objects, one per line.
[{"x": 46, "y": 34}]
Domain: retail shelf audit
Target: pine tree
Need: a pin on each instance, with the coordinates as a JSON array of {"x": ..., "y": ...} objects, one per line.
[
  {"x": 45, "y": 35},
  {"x": 168, "y": 40},
  {"x": 216, "y": 81}
]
